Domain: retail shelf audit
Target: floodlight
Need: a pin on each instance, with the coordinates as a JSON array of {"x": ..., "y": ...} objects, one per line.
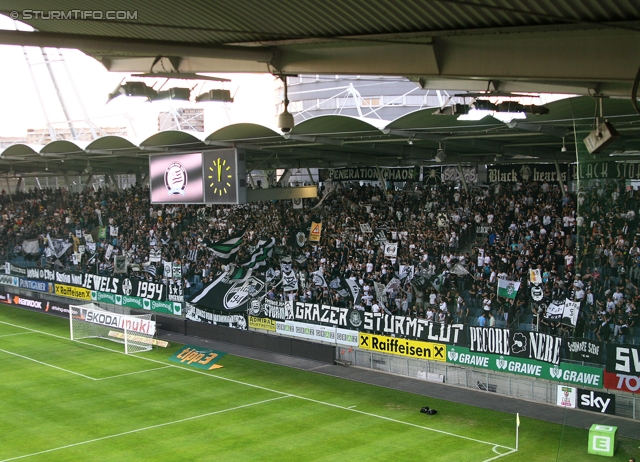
[
  {"x": 133, "y": 89},
  {"x": 222, "y": 96},
  {"x": 456, "y": 109},
  {"x": 176, "y": 93}
]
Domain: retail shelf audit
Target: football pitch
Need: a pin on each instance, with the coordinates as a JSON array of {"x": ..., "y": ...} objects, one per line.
[{"x": 63, "y": 400}]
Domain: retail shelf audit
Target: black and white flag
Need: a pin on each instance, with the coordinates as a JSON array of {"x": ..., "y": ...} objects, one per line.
[
  {"x": 151, "y": 269},
  {"x": 289, "y": 279},
  {"x": 167, "y": 269},
  {"x": 391, "y": 249},
  {"x": 262, "y": 252},
  {"x": 58, "y": 247},
  {"x": 119, "y": 264},
  {"x": 31, "y": 246},
  {"x": 318, "y": 278},
  {"x": 114, "y": 231},
  {"x": 193, "y": 255},
  {"x": 155, "y": 255},
  {"x": 407, "y": 272},
  {"x": 380, "y": 237}
]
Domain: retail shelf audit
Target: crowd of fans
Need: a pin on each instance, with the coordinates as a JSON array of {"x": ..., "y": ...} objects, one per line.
[{"x": 584, "y": 245}]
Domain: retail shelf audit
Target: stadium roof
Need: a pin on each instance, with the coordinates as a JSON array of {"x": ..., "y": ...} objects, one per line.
[
  {"x": 337, "y": 140},
  {"x": 555, "y": 46}
]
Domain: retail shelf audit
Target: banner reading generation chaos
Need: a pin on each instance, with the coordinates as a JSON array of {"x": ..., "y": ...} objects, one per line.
[
  {"x": 370, "y": 174},
  {"x": 402, "y": 347}
]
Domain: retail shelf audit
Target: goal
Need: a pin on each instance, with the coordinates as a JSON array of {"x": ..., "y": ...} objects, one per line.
[{"x": 136, "y": 332}]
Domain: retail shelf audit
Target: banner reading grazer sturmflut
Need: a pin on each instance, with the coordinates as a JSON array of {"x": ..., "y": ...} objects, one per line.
[
  {"x": 402, "y": 347},
  {"x": 565, "y": 373}
]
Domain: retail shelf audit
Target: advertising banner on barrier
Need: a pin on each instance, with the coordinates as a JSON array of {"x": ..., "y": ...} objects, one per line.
[
  {"x": 566, "y": 373},
  {"x": 9, "y": 280},
  {"x": 596, "y": 401},
  {"x": 414, "y": 328},
  {"x": 262, "y": 323},
  {"x": 621, "y": 382},
  {"x": 120, "y": 321},
  {"x": 39, "y": 286},
  {"x": 623, "y": 359},
  {"x": 317, "y": 333},
  {"x": 73, "y": 292},
  {"x": 409, "y": 348},
  {"x": 56, "y": 308},
  {"x": 582, "y": 349},
  {"x": 523, "y": 344},
  {"x": 566, "y": 396}
]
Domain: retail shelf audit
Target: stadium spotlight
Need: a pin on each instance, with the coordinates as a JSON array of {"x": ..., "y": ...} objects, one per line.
[
  {"x": 223, "y": 96},
  {"x": 133, "y": 89},
  {"x": 456, "y": 109},
  {"x": 564, "y": 148},
  {"x": 177, "y": 93}
]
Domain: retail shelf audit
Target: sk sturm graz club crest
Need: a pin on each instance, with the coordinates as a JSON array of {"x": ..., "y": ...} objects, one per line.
[
  {"x": 127, "y": 287},
  {"x": 241, "y": 292},
  {"x": 175, "y": 178},
  {"x": 355, "y": 318}
]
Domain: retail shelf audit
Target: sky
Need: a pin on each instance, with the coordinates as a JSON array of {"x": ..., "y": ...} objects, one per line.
[{"x": 21, "y": 108}]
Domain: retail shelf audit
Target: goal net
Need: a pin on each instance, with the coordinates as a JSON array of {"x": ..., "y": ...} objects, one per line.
[{"x": 136, "y": 332}]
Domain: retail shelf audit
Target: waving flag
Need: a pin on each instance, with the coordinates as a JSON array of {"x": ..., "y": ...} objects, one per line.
[
  {"x": 226, "y": 249},
  {"x": 260, "y": 255},
  {"x": 508, "y": 289}
]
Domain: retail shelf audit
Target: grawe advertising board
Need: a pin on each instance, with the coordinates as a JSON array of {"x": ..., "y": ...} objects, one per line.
[
  {"x": 564, "y": 373},
  {"x": 176, "y": 179}
]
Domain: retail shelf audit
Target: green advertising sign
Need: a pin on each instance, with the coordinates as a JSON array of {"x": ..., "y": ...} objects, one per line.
[
  {"x": 564, "y": 373},
  {"x": 194, "y": 356},
  {"x": 138, "y": 303}
]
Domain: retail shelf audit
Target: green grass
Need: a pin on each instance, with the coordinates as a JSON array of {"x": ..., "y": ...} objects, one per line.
[{"x": 60, "y": 401}]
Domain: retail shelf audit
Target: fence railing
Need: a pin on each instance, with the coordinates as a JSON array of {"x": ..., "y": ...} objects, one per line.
[{"x": 541, "y": 391}]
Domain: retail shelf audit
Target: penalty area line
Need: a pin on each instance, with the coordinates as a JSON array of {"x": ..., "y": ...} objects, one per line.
[
  {"x": 138, "y": 430},
  {"x": 132, "y": 373},
  {"x": 19, "y": 333},
  {"x": 47, "y": 364}
]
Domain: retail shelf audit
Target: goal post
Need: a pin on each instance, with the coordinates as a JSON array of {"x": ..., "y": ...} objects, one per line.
[{"x": 135, "y": 332}]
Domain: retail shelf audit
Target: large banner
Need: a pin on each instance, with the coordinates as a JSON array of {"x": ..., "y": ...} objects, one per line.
[
  {"x": 370, "y": 174},
  {"x": 237, "y": 320},
  {"x": 414, "y": 328},
  {"x": 92, "y": 282},
  {"x": 523, "y": 173},
  {"x": 605, "y": 170},
  {"x": 230, "y": 296},
  {"x": 582, "y": 349},
  {"x": 565, "y": 373},
  {"x": 522, "y": 344},
  {"x": 623, "y": 359}
]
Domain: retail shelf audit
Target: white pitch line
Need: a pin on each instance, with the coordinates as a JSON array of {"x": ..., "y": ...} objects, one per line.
[
  {"x": 46, "y": 364},
  {"x": 19, "y": 333},
  {"x": 500, "y": 455},
  {"x": 196, "y": 371},
  {"x": 131, "y": 373},
  {"x": 138, "y": 430}
]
